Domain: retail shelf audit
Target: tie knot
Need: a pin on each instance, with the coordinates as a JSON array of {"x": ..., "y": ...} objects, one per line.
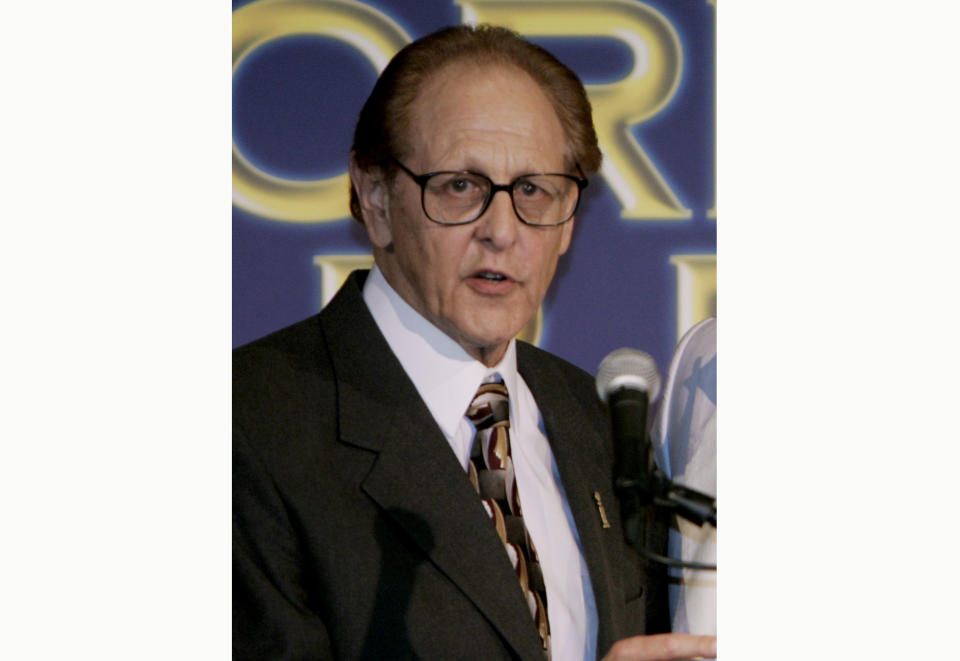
[{"x": 489, "y": 406}]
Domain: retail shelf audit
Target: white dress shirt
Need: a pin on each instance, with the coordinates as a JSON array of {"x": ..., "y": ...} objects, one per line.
[{"x": 447, "y": 379}]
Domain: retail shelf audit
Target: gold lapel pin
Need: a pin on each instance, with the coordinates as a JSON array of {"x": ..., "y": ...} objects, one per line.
[{"x": 603, "y": 512}]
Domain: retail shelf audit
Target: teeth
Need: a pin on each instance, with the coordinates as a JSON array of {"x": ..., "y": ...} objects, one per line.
[{"x": 492, "y": 276}]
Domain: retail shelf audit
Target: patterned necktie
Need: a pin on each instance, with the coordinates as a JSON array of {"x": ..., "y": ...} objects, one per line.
[{"x": 491, "y": 472}]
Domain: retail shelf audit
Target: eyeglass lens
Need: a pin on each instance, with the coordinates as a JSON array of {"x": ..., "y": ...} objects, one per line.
[{"x": 459, "y": 197}]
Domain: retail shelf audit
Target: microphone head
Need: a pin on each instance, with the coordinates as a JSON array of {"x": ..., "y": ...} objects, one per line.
[{"x": 628, "y": 368}]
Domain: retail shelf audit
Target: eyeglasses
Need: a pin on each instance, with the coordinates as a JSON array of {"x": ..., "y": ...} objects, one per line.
[{"x": 460, "y": 197}]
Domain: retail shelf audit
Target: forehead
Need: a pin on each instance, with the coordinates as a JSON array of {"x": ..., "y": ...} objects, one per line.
[{"x": 467, "y": 115}]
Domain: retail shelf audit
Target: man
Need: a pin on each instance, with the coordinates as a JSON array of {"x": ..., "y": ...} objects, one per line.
[{"x": 358, "y": 528}]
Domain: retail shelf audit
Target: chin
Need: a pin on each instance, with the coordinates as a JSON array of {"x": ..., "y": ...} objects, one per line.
[
  {"x": 488, "y": 336},
  {"x": 492, "y": 340}
]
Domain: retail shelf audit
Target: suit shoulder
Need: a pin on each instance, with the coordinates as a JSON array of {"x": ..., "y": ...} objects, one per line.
[
  {"x": 282, "y": 353},
  {"x": 283, "y": 381}
]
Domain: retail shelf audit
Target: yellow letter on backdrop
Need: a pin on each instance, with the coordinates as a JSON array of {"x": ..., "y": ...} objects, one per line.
[
  {"x": 658, "y": 61},
  {"x": 372, "y": 33},
  {"x": 696, "y": 289}
]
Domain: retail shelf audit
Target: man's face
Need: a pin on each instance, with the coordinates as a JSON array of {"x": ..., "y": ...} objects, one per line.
[{"x": 481, "y": 282}]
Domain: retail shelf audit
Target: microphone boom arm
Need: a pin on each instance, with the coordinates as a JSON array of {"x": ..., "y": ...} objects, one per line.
[{"x": 694, "y": 506}]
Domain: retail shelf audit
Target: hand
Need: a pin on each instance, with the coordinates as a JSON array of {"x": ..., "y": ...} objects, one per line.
[{"x": 663, "y": 647}]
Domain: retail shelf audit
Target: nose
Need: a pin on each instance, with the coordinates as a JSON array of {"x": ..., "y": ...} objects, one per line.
[{"x": 498, "y": 224}]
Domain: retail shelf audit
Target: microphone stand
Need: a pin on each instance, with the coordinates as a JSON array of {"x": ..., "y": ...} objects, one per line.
[
  {"x": 656, "y": 489},
  {"x": 695, "y": 506}
]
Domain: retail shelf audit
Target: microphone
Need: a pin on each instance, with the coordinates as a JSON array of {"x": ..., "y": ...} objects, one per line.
[{"x": 628, "y": 382}]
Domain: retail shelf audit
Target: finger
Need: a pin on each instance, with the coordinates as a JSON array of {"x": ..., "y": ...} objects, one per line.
[{"x": 663, "y": 647}]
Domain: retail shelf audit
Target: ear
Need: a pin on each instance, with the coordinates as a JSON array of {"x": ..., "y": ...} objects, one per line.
[
  {"x": 566, "y": 235},
  {"x": 374, "y": 201}
]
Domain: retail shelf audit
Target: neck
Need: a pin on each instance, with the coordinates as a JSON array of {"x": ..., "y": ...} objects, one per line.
[{"x": 489, "y": 356}]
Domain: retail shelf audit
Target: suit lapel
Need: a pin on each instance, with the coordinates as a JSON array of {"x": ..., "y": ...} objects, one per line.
[
  {"x": 416, "y": 479},
  {"x": 579, "y": 450}
]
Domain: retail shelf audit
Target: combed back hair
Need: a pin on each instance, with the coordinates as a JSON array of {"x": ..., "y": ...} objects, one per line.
[{"x": 385, "y": 118}]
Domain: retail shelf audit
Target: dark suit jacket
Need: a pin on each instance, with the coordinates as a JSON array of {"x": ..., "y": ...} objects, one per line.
[{"x": 356, "y": 532}]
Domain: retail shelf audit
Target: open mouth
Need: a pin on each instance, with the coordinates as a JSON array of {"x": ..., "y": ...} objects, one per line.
[{"x": 491, "y": 276}]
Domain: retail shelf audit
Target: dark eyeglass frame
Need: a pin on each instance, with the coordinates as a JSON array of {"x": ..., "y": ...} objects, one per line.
[{"x": 422, "y": 179}]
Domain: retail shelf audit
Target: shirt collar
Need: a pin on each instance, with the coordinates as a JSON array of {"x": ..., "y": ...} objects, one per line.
[{"x": 444, "y": 374}]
